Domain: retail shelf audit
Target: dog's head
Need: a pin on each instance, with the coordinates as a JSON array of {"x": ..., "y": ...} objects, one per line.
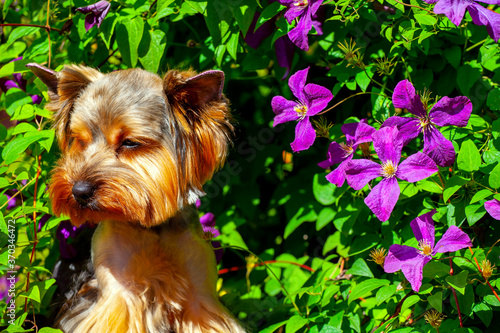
[{"x": 135, "y": 147}]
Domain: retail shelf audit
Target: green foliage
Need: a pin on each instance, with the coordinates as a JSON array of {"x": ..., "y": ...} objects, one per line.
[{"x": 304, "y": 243}]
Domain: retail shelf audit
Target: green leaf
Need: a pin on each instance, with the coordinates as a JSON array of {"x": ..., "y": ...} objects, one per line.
[
  {"x": 218, "y": 18},
  {"x": 232, "y": 45},
  {"x": 22, "y": 128},
  {"x": 325, "y": 216},
  {"x": 273, "y": 327},
  {"x": 453, "y": 185},
  {"x": 243, "y": 12},
  {"x": 128, "y": 36},
  {"x": 18, "y": 66},
  {"x": 360, "y": 268},
  {"x": 304, "y": 214},
  {"x": 436, "y": 301},
  {"x": 494, "y": 179},
  {"x": 107, "y": 29},
  {"x": 413, "y": 299},
  {"x": 5, "y": 8},
  {"x": 295, "y": 323},
  {"x": 425, "y": 19},
  {"x": 466, "y": 76},
  {"x": 16, "y": 147},
  {"x": 474, "y": 212},
  {"x": 153, "y": 44},
  {"x": 468, "y": 158},
  {"x": 268, "y": 13},
  {"x": 33, "y": 293},
  {"x": 453, "y": 55},
  {"x": 323, "y": 190},
  {"x": 483, "y": 194},
  {"x": 484, "y": 312},
  {"x": 50, "y": 330},
  {"x": 199, "y": 6},
  {"x": 458, "y": 281},
  {"x": 17, "y": 33},
  {"x": 493, "y": 100},
  {"x": 365, "y": 288},
  {"x": 385, "y": 293}
]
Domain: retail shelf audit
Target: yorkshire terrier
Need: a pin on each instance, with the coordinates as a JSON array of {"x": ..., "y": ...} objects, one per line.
[{"x": 136, "y": 151}]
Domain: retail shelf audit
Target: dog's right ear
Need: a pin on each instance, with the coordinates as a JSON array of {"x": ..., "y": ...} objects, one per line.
[{"x": 63, "y": 88}]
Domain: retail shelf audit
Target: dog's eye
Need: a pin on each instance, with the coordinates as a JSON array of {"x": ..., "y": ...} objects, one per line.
[{"x": 129, "y": 144}]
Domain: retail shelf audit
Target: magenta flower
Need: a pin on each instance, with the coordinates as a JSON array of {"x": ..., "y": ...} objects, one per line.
[
  {"x": 493, "y": 208},
  {"x": 455, "y": 11},
  {"x": 312, "y": 99},
  {"x": 355, "y": 133},
  {"x": 447, "y": 111},
  {"x": 388, "y": 144},
  {"x": 96, "y": 13},
  {"x": 305, "y": 12},
  {"x": 411, "y": 261},
  {"x": 208, "y": 224}
]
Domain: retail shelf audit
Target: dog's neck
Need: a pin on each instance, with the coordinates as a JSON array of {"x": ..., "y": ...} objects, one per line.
[{"x": 160, "y": 279}]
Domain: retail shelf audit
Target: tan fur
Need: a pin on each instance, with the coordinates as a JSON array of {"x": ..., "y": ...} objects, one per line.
[{"x": 154, "y": 272}]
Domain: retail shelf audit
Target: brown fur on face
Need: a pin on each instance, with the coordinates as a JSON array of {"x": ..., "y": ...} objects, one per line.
[{"x": 181, "y": 126}]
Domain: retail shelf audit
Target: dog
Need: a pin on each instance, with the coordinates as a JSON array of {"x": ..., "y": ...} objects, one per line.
[{"x": 136, "y": 151}]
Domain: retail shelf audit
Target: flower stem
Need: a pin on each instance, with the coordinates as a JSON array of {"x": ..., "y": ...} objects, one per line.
[
  {"x": 345, "y": 99},
  {"x": 455, "y": 296},
  {"x": 481, "y": 272},
  {"x": 46, "y": 27},
  {"x": 237, "y": 268}
]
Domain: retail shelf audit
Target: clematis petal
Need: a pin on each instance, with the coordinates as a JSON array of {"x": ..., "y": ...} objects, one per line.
[
  {"x": 360, "y": 172},
  {"x": 405, "y": 97},
  {"x": 284, "y": 110},
  {"x": 292, "y": 11},
  {"x": 453, "y": 9},
  {"x": 388, "y": 144},
  {"x": 363, "y": 132},
  {"x": 423, "y": 227},
  {"x": 409, "y": 260},
  {"x": 297, "y": 82},
  {"x": 349, "y": 130},
  {"x": 409, "y": 127},
  {"x": 451, "y": 111},
  {"x": 285, "y": 50},
  {"x": 437, "y": 147},
  {"x": 317, "y": 98},
  {"x": 96, "y": 13},
  {"x": 416, "y": 167},
  {"x": 453, "y": 240},
  {"x": 255, "y": 37},
  {"x": 337, "y": 176},
  {"x": 304, "y": 135},
  {"x": 335, "y": 154},
  {"x": 298, "y": 35},
  {"x": 483, "y": 16},
  {"x": 208, "y": 220},
  {"x": 383, "y": 198},
  {"x": 493, "y": 208}
]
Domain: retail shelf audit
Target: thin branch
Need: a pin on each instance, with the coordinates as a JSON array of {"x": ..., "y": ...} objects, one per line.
[{"x": 46, "y": 27}]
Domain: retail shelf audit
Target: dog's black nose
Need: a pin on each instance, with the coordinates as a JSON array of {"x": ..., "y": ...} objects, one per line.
[{"x": 82, "y": 191}]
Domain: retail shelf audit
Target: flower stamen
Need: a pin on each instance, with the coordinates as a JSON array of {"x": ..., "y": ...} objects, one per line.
[
  {"x": 425, "y": 247},
  {"x": 301, "y": 110},
  {"x": 302, "y": 3},
  {"x": 347, "y": 149},
  {"x": 389, "y": 169}
]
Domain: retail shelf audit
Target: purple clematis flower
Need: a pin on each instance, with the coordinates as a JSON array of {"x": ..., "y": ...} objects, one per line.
[
  {"x": 493, "y": 208},
  {"x": 383, "y": 197},
  {"x": 312, "y": 98},
  {"x": 342, "y": 153},
  {"x": 447, "y": 111},
  {"x": 208, "y": 224},
  {"x": 284, "y": 53},
  {"x": 96, "y": 13},
  {"x": 455, "y": 11},
  {"x": 305, "y": 11},
  {"x": 411, "y": 260}
]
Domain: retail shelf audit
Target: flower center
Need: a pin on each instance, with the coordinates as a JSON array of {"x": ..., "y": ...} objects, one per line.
[
  {"x": 425, "y": 247},
  {"x": 425, "y": 122},
  {"x": 388, "y": 170},
  {"x": 302, "y": 3},
  {"x": 301, "y": 110},
  {"x": 208, "y": 236},
  {"x": 347, "y": 149}
]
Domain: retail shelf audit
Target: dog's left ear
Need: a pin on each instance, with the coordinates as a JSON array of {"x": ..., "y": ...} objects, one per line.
[
  {"x": 203, "y": 115},
  {"x": 63, "y": 88}
]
